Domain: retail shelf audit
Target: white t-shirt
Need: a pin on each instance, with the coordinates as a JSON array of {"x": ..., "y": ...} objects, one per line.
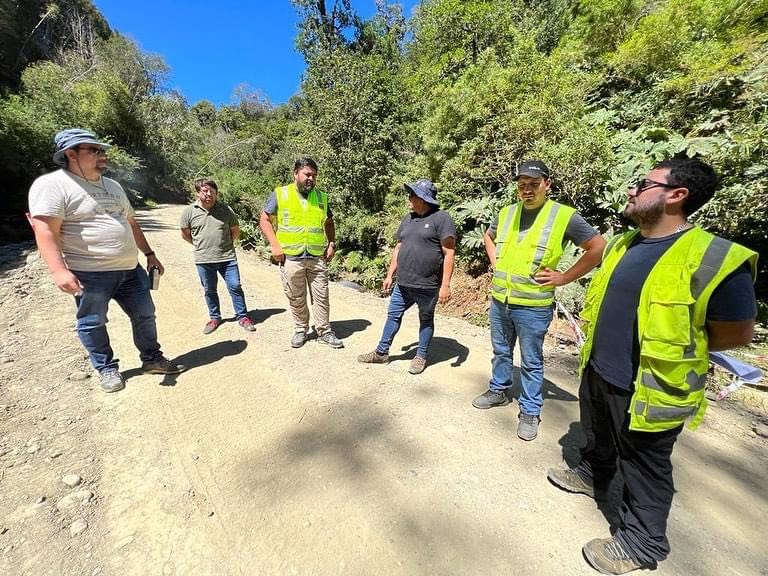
[{"x": 95, "y": 233}]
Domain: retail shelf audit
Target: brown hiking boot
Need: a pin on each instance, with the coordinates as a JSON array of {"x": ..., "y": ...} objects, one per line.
[
  {"x": 570, "y": 480},
  {"x": 607, "y": 556},
  {"x": 373, "y": 358},
  {"x": 417, "y": 365}
]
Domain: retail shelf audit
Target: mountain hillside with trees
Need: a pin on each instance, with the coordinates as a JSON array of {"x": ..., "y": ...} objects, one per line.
[{"x": 458, "y": 92}]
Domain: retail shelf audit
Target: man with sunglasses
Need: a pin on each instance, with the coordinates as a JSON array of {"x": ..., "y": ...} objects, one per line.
[
  {"x": 524, "y": 246},
  {"x": 665, "y": 295},
  {"x": 88, "y": 236}
]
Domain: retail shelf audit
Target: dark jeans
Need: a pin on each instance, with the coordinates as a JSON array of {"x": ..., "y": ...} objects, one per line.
[
  {"x": 130, "y": 289},
  {"x": 209, "y": 279},
  {"x": 644, "y": 459},
  {"x": 402, "y": 299}
]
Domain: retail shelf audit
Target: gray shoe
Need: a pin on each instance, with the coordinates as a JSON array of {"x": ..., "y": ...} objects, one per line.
[
  {"x": 329, "y": 338},
  {"x": 373, "y": 358},
  {"x": 490, "y": 399},
  {"x": 607, "y": 556},
  {"x": 417, "y": 365},
  {"x": 298, "y": 340},
  {"x": 161, "y": 365},
  {"x": 528, "y": 426},
  {"x": 570, "y": 480},
  {"x": 111, "y": 380}
]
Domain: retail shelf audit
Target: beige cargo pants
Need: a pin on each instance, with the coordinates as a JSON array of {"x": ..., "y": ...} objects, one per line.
[{"x": 296, "y": 275}]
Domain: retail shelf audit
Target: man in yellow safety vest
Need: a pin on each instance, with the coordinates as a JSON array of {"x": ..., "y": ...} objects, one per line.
[
  {"x": 304, "y": 244},
  {"x": 665, "y": 295},
  {"x": 524, "y": 246}
]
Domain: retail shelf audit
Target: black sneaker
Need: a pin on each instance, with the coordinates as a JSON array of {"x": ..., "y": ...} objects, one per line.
[
  {"x": 490, "y": 399},
  {"x": 161, "y": 365}
]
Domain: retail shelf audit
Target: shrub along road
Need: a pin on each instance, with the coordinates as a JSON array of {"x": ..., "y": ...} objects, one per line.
[{"x": 261, "y": 459}]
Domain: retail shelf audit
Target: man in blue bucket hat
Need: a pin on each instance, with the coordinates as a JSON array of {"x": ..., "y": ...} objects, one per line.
[
  {"x": 88, "y": 235},
  {"x": 423, "y": 261}
]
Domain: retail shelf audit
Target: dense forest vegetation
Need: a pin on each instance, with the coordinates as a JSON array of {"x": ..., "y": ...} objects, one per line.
[{"x": 459, "y": 93}]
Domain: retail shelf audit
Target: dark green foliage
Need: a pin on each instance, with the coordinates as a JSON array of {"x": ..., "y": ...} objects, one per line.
[{"x": 459, "y": 93}]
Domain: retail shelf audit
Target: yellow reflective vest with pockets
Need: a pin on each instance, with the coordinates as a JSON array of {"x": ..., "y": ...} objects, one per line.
[{"x": 670, "y": 382}]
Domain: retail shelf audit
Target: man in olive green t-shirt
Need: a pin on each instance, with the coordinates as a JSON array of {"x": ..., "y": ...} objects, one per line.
[{"x": 211, "y": 227}]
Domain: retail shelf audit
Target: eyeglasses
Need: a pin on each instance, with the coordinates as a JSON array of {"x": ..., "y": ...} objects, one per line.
[
  {"x": 93, "y": 150},
  {"x": 643, "y": 184}
]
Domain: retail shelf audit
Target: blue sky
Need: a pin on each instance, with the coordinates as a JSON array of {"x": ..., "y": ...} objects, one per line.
[{"x": 213, "y": 46}]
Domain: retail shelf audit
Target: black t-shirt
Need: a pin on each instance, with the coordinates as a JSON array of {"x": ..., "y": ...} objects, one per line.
[
  {"x": 577, "y": 232},
  {"x": 615, "y": 348},
  {"x": 420, "y": 260}
]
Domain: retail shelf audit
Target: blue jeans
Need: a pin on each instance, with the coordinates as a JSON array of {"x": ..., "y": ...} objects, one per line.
[
  {"x": 130, "y": 289},
  {"x": 529, "y": 324},
  {"x": 209, "y": 277},
  {"x": 402, "y": 299}
]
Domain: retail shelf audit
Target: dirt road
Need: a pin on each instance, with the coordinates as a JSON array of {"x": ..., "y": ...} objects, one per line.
[{"x": 261, "y": 459}]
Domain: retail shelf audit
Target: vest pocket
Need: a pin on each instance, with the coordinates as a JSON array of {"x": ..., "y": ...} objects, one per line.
[{"x": 669, "y": 317}]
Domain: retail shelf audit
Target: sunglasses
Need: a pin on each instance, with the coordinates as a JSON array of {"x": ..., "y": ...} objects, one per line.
[
  {"x": 93, "y": 150},
  {"x": 642, "y": 184}
]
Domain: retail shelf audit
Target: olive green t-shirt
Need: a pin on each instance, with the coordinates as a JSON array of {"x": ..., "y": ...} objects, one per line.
[{"x": 211, "y": 236}]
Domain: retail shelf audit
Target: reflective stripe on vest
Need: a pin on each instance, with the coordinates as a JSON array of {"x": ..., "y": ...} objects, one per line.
[
  {"x": 669, "y": 386},
  {"x": 521, "y": 254},
  {"x": 300, "y": 221}
]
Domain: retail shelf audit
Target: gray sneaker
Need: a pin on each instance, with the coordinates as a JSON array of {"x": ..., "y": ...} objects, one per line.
[
  {"x": 570, "y": 480},
  {"x": 161, "y": 365},
  {"x": 329, "y": 338},
  {"x": 608, "y": 556},
  {"x": 298, "y": 340},
  {"x": 111, "y": 380},
  {"x": 528, "y": 426},
  {"x": 417, "y": 365},
  {"x": 373, "y": 358},
  {"x": 490, "y": 399}
]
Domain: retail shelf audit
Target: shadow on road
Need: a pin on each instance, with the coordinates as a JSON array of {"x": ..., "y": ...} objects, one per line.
[
  {"x": 550, "y": 390},
  {"x": 148, "y": 223},
  {"x": 258, "y": 316},
  {"x": 345, "y": 328},
  {"x": 440, "y": 350},
  {"x": 14, "y": 256},
  {"x": 197, "y": 358},
  {"x": 607, "y": 497}
]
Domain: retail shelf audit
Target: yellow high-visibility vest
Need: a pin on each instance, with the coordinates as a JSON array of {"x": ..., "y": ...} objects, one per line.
[
  {"x": 301, "y": 221},
  {"x": 520, "y": 255},
  {"x": 671, "y": 324}
]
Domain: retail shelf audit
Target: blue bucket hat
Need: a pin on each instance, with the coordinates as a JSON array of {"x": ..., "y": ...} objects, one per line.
[
  {"x": 425, "y": 190},
  {"x": 72, "y": 137}
]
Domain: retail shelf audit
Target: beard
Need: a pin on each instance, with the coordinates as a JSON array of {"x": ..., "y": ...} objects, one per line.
[{"x": 648, "y": 215}]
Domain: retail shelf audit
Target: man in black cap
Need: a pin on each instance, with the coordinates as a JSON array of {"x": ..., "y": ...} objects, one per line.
[
  {"x": 423, "y": 260},
  {"x": 524, "y": 245},
  {"x": 88, "y": 236}
]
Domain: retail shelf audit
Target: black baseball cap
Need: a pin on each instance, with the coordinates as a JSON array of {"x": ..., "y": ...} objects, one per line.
[{"x": 533, "y": 169}]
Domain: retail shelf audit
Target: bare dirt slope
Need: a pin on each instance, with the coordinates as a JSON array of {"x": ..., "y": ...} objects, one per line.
[{"x": 261, "y": 459}]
